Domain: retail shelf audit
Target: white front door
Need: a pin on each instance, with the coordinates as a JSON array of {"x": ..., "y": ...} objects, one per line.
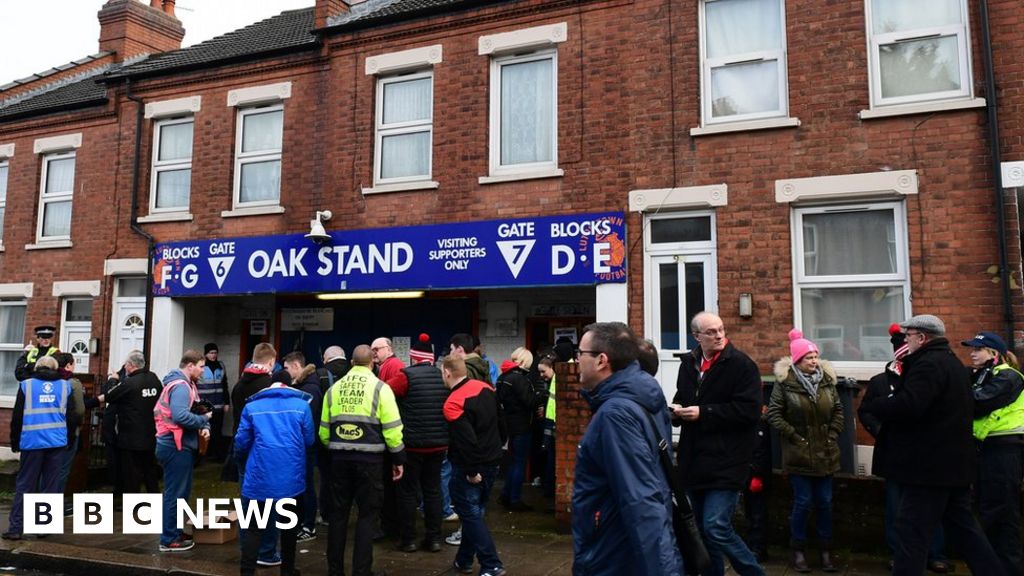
[
  {"x": 76, "y": 330},
  {"x": 130, "y": 329},
  {"x": 681, "y": 285}
]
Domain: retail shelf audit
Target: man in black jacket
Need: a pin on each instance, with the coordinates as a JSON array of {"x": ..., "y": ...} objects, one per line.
[
  {"x": 421, "y": 395},
  {"x": 476, "y": 436},
  {"x": 718, "y": 404},
  {"x": 135, "y": 398},
  {"x": 880, "y": 386},
  {"x": 927, "y": 446}
]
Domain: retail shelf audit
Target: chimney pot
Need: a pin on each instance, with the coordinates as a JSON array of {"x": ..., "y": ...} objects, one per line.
[
  {"x": 156, "y": 4},
  {"x": 169, "y": 7}
]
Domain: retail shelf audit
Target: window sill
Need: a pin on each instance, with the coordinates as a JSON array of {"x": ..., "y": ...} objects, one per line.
[
  {"x": 921, "y": 108},
  {"x": 514, "y": 176},
  {"x": 7, "y": 401},
  {"x": 1, "y": 248},
  {"x": 745, "y": 126},
  {"x": 253, "y": 211},
  {"x": 49, "y": 245},
  {"x": 862, "y": 370},
  {"x": 401, "y": 187},
  {"x": 165, "y": 217}
]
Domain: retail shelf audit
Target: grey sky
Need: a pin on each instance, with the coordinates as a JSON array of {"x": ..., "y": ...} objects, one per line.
[{"x": 36, "y": 35}]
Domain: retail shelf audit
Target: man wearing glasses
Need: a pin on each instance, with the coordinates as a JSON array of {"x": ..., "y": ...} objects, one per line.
[
  {"x": 718, "y": 405},
  {"x": 926, "y": 445},
  {"x": 622, "y": 502}
]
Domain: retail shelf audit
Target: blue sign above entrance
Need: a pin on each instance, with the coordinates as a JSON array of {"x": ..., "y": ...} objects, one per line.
[{"x": 577, "y": 249}]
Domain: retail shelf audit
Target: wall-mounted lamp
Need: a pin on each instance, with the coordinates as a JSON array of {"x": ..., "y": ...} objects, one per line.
[
  {"x": 316, "y": 227},
  {"x": 94, "y": 346},
  {"x": 746, "y": 305}
]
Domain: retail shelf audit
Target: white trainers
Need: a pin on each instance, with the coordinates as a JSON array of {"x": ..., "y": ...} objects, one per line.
[
  {"x": 455, "y": 539},
  {"x": 453, "y": 517}
]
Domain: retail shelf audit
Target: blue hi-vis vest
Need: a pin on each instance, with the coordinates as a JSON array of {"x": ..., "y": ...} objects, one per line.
[
  {"x": 209, "y": 387},
  {"x": 44, "y": 424}
]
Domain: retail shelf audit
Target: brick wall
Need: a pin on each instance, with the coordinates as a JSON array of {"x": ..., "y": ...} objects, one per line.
[{"x": 573, "y": 414}]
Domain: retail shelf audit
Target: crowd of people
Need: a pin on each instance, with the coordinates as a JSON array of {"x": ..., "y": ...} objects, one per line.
[
  {"x": 428, "y": 438},
  {"x": 949, "y": 443}
]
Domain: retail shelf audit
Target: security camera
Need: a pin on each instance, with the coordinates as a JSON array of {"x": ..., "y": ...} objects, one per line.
[{"x": 316, "y": 228}]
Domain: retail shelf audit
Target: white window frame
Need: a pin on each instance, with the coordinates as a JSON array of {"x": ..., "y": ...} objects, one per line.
[
  {"x": 709, "y": 64},
  {"x": 499, "y": 172},
  {"x": 4, "y": 185},
  {"x": 7, "y": 400},
  {"x": 158, "y": 166},
  {"x": 45, "y": 199},
  {"x": 801, "y": 280},
  {"x": 875, "y": 41},
  {"x": 254, "y": 157},
  {"x": 398, "y": 128}
]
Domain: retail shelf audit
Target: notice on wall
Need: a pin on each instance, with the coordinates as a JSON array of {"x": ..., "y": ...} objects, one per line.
[
  {"x": 309, "y": 319},
  {"x": 569, "y": 250},
  {"x": 401, "y": 345}
]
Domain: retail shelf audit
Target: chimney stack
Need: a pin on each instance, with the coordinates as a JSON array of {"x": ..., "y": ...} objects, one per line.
[
  {"x": 130, "y": 28},
  {"x": 326, "y": 9}
]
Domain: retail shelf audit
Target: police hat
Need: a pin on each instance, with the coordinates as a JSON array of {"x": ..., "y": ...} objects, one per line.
[
  {"x": 45, "y": 331},
  {"x": 987, "y": 340}
]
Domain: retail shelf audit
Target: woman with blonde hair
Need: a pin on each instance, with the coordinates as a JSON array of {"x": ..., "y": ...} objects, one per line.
[
  {"x": 519, "y": 400},
  {"x": 998, "y": 390},
  {"x": 806, "y": 410}
]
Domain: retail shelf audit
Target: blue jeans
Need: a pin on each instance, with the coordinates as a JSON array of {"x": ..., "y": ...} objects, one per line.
[
  {"x": 268, "y": 537},
  {"x": 470, "y": 501},
  {"x": 808, "y": 492},
  {"x": 714, "y": 510},
  {"x": 520, "y": 447},
  {"x": 446, "y": 497},
  {"x": 177, "y": 466},
  {"x": 893, "y": 491}
]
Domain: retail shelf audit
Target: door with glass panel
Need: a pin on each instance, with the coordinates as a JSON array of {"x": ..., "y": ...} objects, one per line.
[
  {"x": 76, "y": 330},
  {"x": 681, "y": 285},
  {"x": 129, "y": 320}
]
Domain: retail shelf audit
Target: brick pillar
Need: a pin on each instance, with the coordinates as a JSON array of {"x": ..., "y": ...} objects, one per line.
[{"x": 573, "y": 416}]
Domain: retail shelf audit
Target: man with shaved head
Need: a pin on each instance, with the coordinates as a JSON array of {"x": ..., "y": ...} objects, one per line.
[
  {"x": 718, "y": 405},
  {"x": 359, "y": 424}
]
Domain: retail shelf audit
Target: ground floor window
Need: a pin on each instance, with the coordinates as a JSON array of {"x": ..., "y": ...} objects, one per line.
[
  {"x": 851, "y": 277},
  {"x": 12, "y": 345}
]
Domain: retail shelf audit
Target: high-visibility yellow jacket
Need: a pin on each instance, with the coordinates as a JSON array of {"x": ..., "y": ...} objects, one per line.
[
  {"x": 360, "y": 414},
  {"x": 1004, "y": 421}
]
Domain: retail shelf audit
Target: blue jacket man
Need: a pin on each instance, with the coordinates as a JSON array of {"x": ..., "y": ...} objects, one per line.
[
  {"x": 274, "y": 432},
  {"x": 39, "y": 432},
  {"x": 622, "y": 502}
]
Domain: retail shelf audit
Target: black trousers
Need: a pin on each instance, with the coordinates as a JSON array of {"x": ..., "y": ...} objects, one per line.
[
  {"x": 251, "y": 542},
  {"x": 997, "y": 490},
  {"x": 755, "y": 508},
  {"x": 422, "y": 475},
  {"x": 922, "y": 510},
  {"x": 390, "y": 524},
  {"x": 138, "y": 468},
  {"x": 360, "y": 483},
  {"x": 218, "y": 441}
]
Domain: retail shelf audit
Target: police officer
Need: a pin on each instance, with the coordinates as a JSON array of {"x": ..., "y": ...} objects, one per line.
[
  {"x": 998, "y": 392},
  {"x": 358, "y": 423},
  {"x": 43, "y": 347},
  {"x": 39, "y": 431}
]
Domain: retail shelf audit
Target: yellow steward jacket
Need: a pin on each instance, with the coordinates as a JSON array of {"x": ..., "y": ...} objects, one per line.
[{"x": 360, "y": 414}]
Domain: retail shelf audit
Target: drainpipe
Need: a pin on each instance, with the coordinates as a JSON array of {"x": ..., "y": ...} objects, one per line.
[
  {"x": 139, "y": 118},
  {"x": 995, "y": 152}
]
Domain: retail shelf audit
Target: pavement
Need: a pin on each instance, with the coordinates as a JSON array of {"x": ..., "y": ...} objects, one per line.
[{"x": 528, "y": 543}]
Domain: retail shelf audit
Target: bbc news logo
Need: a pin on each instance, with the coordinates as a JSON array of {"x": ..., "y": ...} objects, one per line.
[{"x": 143, "y": 513}]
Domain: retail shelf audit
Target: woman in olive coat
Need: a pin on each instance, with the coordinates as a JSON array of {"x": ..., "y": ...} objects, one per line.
[{"x": 806, "y": 410}]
